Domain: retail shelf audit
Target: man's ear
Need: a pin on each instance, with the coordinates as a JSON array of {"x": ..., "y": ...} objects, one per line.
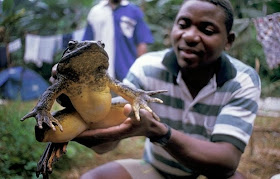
[{"x": 230, "y": 38}]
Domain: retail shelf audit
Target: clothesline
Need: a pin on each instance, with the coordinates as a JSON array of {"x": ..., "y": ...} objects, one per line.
[
  {"x": 268, "y": 34},
  {"x": 39, "y": 49}
]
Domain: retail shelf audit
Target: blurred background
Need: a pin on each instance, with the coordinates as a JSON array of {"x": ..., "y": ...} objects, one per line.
[{"x": 257, "y": 27}]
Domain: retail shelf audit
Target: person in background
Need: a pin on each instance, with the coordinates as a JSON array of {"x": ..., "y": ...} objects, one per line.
[
  {"x": 208, "y": 112},
  {"x": 120, "y": 25}
]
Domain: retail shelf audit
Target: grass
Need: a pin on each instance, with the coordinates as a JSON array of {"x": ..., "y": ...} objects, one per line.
[{"x": 261, "y": 159}]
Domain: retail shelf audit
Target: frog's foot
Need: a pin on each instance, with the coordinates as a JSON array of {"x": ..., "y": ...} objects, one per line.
[
  {"x": 43, "y": 116},
  {"x": 141, "y": 101},
  {"x": 51, "y": 154}
]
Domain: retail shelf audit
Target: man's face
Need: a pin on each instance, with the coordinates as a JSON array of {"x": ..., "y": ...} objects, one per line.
[
  {"x": 199, "y": 34},
  {"x": 115, "y": 1}
]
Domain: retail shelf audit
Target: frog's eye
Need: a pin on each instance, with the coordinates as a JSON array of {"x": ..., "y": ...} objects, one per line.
[
  {"x": 72, "y": 44},
  {"x": 101, "y": 43}
]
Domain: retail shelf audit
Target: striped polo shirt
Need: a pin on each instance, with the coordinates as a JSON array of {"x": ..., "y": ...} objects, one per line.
[{"x": 223, "y": 111}]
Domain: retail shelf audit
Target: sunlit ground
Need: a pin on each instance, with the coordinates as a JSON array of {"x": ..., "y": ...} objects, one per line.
[{"x": 261, "y": 159}]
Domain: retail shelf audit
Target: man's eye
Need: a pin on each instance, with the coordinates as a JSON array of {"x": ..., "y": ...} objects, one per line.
[
  {"x": 183, "y": 24},
  {"x": 208, "y": 30}
]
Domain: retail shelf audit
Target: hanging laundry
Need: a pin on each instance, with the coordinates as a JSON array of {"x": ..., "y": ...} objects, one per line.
[
  {"x": 39, "y": 49},
  {"x": 78, "y": 34},
  {"x": 268, "y": 34},
  {"x": 47, "y": 48},
  {"x": 31, "y": 53},
  {"x": 58, "y": 43},
  {"x": 14, "y": 45}
]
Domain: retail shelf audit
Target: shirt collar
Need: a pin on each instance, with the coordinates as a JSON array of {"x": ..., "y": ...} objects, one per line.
[{"x": 225, "y": 70}]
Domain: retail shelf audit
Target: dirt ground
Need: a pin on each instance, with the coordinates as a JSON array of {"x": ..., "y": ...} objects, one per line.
[{"x": 261, "y": 159}]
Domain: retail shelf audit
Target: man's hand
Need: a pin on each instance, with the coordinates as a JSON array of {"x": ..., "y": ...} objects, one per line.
[
  {"x": 53, "y": 74},
  {"x": 107, "y": 139}
]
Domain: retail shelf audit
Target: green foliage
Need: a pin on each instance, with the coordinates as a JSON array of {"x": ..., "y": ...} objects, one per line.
[
  {"x": 49, "y": 17},
  {"x": 19, "y": 150},
  {"x": 160, "y": 14}
]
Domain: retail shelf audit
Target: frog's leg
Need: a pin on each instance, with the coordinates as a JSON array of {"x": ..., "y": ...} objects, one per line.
[
  {"x": 42, "y": 110},
  {"x": 71, "y": 122},
  {"x": 136, "y": 97},
  {"x": 115, "y": 115},
  {"x": 51, "y": 154}
]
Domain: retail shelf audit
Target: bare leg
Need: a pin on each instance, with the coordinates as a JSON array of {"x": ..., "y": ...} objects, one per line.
[
  {"x": 107, "y": 171},
  {"x": 238, "y": 175}
]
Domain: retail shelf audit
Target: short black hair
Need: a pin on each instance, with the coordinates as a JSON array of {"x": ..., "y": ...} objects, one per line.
[{"x": 228, "y": 10}]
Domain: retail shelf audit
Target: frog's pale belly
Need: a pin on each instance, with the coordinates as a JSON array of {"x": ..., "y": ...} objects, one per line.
[{"x": 93, "y": 106}]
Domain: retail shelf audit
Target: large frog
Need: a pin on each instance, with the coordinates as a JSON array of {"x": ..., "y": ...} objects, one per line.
[{"x": 82, "y": 77}]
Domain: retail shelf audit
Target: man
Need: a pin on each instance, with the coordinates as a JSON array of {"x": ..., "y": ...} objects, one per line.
[
  {"x": 208, "y": 113},
  {"x": 121, "y": 27}
]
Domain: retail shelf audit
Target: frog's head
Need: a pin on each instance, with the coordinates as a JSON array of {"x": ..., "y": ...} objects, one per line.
[
  {"x": 82, "y": 59},
  {"x": 76, "y": 48}
]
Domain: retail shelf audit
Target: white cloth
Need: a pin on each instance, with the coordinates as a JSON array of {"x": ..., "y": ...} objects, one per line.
[
  {"x": 31, "y": 53},
  {"x": 14, "y": 45},
  {"x": 39, "y": 49},
  {"x": 78, "y": 34},
  {"x": 47, "y": 48}
]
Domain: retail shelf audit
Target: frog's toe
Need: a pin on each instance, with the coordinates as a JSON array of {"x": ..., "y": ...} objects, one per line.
[
  {"x": 51, "y": 122},
  {"x": 156, "y": 116},
  {"x": 156, "y": 100},
  {"x": 152, "y": 112},
  {"x": 56, "y": 122},
  {"x": 42, "y": 167},
  {"x": 48, "y": 120},
  {"x": 31, "y": 114},
  {"x": 136, "y": 109},
  {"x": 51, "y": 154},
  {"x": 148, "y": 108},
  {"x": 150, "y": 93},
  {"x": 40, "y": 123}
]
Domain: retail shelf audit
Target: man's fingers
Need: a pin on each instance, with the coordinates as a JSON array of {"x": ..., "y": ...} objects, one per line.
[
  {"x": 107, "y": 134},
  {"x": 128, "y": 110}
]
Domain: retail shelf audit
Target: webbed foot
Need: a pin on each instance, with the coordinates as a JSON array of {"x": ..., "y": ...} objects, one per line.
[
  {"x": 43, "y": 116},
  {"x": 142, "y": 99},
  {"x": 51, "y": 154}
]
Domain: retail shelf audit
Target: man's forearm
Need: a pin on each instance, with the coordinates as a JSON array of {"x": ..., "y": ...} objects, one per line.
[{"x": 207, "y": 157}]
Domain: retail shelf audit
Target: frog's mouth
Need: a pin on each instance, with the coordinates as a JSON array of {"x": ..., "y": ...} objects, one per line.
[{"x": 70, "y": 53}]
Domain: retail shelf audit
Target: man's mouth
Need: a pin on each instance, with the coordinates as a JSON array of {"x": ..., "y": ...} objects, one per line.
[{"x": 188, "y": 53}]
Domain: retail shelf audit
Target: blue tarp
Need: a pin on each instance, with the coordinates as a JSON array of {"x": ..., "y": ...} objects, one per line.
[{"x": 21, "y": 83}]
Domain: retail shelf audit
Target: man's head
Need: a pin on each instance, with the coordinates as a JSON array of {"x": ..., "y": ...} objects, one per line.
[
  {"x": 201, "y": 31},
  {"x": 228, "y": 10}
]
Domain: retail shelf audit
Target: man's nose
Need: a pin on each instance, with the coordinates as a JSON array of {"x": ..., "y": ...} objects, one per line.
[{"x": 191, "y": 35}]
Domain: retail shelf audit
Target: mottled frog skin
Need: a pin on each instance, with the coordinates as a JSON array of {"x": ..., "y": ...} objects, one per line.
[{"x": 82, "y": 77}]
